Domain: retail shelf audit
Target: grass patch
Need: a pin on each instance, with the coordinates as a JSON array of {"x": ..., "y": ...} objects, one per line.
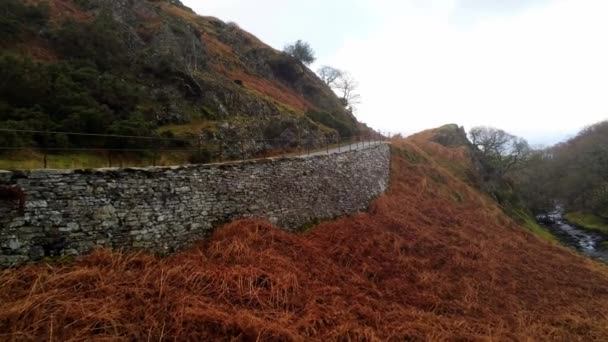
[
  {"x": 190, "y": 129},
  {"x": 588, "y": 221},
  {"x": 31, "y": 160},
  {"x": 526, "y": 219},
  {"x": 411, "y": 156}
]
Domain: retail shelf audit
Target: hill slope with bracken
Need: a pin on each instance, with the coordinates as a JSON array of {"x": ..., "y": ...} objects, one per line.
[
  {"x": 146, "y": 67},
  {"x": 432, "y": 259}
]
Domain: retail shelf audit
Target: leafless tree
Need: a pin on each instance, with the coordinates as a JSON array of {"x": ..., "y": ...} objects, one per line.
[
  {"x": 330, "y": 75},
  {"x": 498, "y": 149},
  {"x": 347, "y": 87}
]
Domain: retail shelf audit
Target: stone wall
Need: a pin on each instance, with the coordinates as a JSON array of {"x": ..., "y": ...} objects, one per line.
[{"x": 69, "y": 212}]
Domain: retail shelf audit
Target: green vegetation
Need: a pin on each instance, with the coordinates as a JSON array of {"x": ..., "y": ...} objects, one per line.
[
  {"x": 411, "y": 156},
  {"x": 573, "y": 173},
  {"x": 71, "y": 97},
  {"x": 18, "y": 19},
  {"x": 99, "y": 41},
  {"x": 344, "y": 128},
  {"x": 96, "y": 87},
  {"x": 526, "y": 219},
  {"x": 302, "y": 51},
  {"x": 168, "y": 73},
  {"x": 588, "y": 221},
  {"x": 28, "y": 160}
]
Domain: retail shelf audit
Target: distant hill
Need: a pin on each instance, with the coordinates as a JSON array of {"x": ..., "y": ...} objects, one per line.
[{"x": 152, "y": 67}]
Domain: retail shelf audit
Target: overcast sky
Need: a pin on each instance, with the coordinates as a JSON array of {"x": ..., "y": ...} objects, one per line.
[{"x": 536, "y": 68}]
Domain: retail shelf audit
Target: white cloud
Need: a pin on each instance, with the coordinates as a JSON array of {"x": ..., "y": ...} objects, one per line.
[{"x": 540, "y": 72}]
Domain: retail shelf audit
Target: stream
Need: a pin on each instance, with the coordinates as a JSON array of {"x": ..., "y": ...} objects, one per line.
[{"x": 584, "y": 241}]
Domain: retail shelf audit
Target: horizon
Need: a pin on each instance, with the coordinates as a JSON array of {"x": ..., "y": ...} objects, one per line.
[{"x": 515, "y": 66}]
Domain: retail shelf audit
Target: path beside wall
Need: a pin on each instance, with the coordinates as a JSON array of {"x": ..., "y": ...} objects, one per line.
[{"x": 163, "y": 209}]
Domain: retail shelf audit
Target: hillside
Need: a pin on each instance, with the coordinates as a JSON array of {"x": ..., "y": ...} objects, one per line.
[
  {"x": 573, "y": 174},
  {"x": 155, "y": 68},
  {"x": 432, "y": 259}
]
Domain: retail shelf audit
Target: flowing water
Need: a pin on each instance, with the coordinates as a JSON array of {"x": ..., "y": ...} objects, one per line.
[{"x": 592, "y": 244}]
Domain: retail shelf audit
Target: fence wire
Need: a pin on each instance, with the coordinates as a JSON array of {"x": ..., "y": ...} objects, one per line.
[{"x": 196, "y": 150}]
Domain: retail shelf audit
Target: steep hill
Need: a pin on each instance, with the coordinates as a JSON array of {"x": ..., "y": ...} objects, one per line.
[
  {"x": 146, "y": 67},
  {"x": 433, "y": 259}
]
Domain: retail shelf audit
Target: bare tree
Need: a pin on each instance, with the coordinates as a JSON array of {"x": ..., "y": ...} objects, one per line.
[
  {"x": 499, "y": 150},
  {"x": 347, "y": 86},
  {"x": 330, "y": 75}
]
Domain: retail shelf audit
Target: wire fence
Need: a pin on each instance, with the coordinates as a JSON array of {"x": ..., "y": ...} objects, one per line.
[{"x": 114, "y": 150}]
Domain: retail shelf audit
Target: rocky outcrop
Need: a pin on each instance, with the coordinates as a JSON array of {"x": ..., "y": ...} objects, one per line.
[
  {"x": 451, "y": 136},
  {"x": 198, "y": 55}
]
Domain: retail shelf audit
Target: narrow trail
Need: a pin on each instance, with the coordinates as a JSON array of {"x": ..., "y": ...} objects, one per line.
[{"x": 345, "y": 148}]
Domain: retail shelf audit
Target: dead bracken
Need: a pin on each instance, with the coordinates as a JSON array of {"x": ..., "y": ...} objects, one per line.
[{"x": 420, "y": 265}]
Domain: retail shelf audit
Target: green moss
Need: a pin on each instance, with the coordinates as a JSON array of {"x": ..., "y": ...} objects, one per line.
[
  {"x": 588, "y": 221},
  {"x": 333, "y": 121},
  {"x": 457, "y": 197},
  {"x": 525, "y": 218},
  {"x": 59, "y": 260},
  {"x": 28, "y": 160},
  {"x": 411, "y": 156},
  {"x": 191, "y": 129}
]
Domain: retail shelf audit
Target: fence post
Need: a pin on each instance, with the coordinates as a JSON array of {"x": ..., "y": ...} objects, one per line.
[
  {"x": 157, "y": 152},
  {"x": 45, "y": 160},
  {"x": 299, "y": 144},
  {"x": 242, "y": 150},
  {"x": 339, "y": 144},
  {"x": 221, "y": 147},
  {"x": 109, "y": 158},
  {"x": 327, "y": 144}
]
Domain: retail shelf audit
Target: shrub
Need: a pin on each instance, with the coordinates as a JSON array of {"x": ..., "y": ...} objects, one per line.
[
  {"x": 286, "y": 68},
  {"x": 99, "y": 41},
  {"x": 17, "y": 18},
  {"x": 201, "y": 156},
  {"x": 329, "y": 120},
  {"x": 302, "y": 51},
  {"x": 72, "y": 97}
]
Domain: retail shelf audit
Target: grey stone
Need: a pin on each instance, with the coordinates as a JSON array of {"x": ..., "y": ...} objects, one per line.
[
  {"x": 105, "y": 212},
  {"x": 162, "y": 209},
  {"x": 14, "y": 244}
]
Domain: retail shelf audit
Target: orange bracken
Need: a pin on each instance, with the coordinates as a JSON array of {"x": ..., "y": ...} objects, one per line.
[{"x": 422, "y": 264}]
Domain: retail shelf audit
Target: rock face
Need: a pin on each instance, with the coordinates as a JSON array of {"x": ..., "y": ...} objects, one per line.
[
  {"x": 200, "y": 68},
  {"x": 163, "y": 209},
  {"x": 451, "y": 136}
]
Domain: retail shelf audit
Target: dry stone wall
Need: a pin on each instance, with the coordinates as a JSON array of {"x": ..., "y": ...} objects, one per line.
[{"x": 70, "y": 212}]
